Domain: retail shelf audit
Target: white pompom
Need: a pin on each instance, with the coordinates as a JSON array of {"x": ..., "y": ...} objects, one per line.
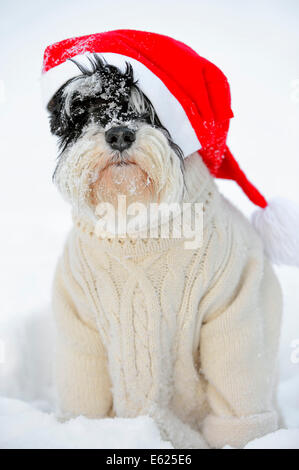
[{"x": 278, "y": 226}]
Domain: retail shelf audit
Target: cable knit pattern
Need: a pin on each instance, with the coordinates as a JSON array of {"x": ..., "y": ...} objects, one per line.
[{"x": 187, "y": 336}]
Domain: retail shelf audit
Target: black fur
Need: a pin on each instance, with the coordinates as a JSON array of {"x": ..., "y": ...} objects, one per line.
[{"x": 102, "y": 105}]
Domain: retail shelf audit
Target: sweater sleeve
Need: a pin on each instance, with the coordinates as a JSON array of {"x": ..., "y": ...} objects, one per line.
[
  {"x": 80, "y": 365},
  {"x": 238, "y": 345}
]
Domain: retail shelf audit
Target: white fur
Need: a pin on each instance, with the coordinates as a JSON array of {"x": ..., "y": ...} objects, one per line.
[
  {"x": 81, "y": 166},
  {"x": 278, "y": 226}
]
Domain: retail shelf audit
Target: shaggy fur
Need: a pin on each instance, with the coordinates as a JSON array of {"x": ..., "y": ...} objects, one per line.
[{"x": 189, "y": 336}]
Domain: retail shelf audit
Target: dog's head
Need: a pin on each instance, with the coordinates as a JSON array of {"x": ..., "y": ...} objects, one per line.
[{"x": 112, "y": 141}]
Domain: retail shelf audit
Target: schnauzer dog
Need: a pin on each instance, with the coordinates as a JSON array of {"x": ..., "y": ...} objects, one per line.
[{"x": 145, "y": 326}]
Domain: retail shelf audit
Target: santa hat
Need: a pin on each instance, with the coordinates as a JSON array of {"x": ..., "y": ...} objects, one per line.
[{"x": 192, "y": 99}]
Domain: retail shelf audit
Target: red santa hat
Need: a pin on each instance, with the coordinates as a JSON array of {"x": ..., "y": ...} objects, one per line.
[{"x": 192, "y": 99}]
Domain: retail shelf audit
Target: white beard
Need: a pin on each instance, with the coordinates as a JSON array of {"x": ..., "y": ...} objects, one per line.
[{"x": 88, "y": 173}]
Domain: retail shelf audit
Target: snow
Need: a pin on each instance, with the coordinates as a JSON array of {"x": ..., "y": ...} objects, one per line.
[
  {"x": 24, "y": 426},
  {"x": 282, "y": 439},
  {"x": 255, "y": 43}
]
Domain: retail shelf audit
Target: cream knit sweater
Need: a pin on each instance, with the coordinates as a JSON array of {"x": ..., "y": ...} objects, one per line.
[{"x": 187, "y": 336}]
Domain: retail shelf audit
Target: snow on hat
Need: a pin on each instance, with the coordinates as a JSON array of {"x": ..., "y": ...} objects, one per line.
[{"x": 192, "y": 99}]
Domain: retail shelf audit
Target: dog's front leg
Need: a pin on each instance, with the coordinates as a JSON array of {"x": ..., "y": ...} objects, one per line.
[
  {"x": 81, "y": 376},
  {"x": 238, "y": 355}
]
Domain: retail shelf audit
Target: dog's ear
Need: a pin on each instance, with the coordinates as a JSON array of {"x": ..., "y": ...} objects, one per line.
[
  {"x": 66, "y": 120},
  {"x": 57, "y": 117}
]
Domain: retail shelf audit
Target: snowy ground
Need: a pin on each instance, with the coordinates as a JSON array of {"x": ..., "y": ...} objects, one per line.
[{"x": 255, "y": 43}]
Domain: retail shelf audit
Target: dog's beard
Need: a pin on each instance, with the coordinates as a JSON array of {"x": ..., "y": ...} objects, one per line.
[
  {"x": 127, "y": 179},
  {"x": 89, "y": 172}
]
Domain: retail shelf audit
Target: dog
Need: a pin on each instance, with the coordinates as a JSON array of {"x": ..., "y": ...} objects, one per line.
[{"x": 144, "y": 325}]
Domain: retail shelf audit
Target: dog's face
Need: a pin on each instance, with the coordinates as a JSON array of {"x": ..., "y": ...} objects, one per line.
[{"x": 112, "y": 141}]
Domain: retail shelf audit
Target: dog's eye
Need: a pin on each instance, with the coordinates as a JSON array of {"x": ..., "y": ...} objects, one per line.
[
  {"x": 79, "y": 107},
  {"x": 97, "y": 101},
  {"x": 78, "y": 110}
]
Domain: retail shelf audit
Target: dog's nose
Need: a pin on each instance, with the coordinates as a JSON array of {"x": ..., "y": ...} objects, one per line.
[{"x": 120, "y": 137}]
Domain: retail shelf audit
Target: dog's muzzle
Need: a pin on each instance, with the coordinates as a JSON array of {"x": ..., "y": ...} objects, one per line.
[{"x": 120, "y": 137}]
